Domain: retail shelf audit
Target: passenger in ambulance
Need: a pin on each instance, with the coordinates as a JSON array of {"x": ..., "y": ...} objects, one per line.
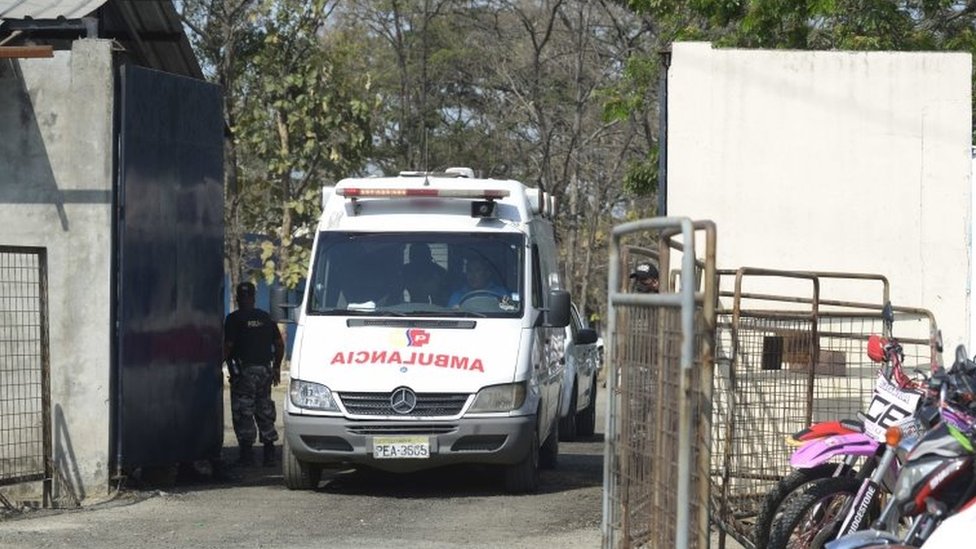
[
  {"x": 478, "y": 281},
  {"x": 424, "y": 279},
  {"x": 369, "y": 285}
]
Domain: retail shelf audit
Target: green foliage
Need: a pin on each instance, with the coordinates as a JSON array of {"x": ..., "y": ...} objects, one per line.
[
  {"x": 630, "y": 95},
  {"x": 906, "y": 25},
  {"x": 641, "y": 178},
  {"x": 305, "y": 119}
]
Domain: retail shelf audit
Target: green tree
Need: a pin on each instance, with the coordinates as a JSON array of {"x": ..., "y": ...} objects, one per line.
[
  {"x": 304, "y": 122},
  {"x": 224, "y": 36},
  {"x": 513, "y": 89}
]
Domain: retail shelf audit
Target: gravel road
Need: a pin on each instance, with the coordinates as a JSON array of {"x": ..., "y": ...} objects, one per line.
[{"x": 450, "y": 507}]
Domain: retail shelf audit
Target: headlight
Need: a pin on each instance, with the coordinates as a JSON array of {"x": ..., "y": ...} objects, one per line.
[
  {"x": 499, "y": 398},
  {"x": 311, "y": 396},
  {"x": 909, "y": 478}
]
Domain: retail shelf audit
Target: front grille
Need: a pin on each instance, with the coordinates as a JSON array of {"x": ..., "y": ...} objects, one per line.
[
  {"x": 428, "y": 404},
  {"x": 398, "y": 429}
]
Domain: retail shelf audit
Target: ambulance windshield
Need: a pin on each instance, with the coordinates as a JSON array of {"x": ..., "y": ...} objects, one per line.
[{"x": 418, "y": 274}]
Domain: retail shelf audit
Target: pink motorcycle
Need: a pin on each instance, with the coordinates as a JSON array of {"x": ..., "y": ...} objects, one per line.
[{"x": 895, "y": 398}]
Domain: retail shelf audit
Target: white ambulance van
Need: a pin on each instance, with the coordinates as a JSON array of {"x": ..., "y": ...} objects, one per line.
[{"x": 431, "y": 331}]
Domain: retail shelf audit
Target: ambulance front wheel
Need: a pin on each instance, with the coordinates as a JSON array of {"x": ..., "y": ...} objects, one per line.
[
  {"x": 523, "y": 477},
  {"x": 298, "y": 474}
]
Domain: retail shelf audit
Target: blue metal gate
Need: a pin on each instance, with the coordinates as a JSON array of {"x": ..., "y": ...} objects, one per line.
[{"x": 168, "y": 405}]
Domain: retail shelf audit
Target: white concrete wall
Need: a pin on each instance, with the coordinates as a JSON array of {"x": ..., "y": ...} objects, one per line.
[
  {"x": 830, "y": 161},
  {"x": 55, "y": 192}
]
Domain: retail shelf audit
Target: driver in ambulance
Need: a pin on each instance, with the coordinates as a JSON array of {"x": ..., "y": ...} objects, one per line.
[{"x": 479, "y": 280}]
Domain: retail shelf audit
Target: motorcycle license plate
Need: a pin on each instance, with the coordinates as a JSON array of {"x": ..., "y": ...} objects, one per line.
[
  {"x": 890, "y": 405},
  {"x": 406, "y": 447}
]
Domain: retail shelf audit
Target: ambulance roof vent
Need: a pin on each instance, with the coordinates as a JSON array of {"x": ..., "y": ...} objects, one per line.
[
  {"x": 466, "y": 173},
  {"x": 461, "y": 172}
]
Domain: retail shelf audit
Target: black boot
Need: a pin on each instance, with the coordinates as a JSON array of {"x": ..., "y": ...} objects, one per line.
[
  {"x": 246, "y": 456},
  {"x": 269, "y": 454}
]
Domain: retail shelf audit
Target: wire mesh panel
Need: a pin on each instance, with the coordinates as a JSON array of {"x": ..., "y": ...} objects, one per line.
[
  {"x": 24, "y": 395},
  {"x": 755, "y": 408},
  {"x": 780, "y": 368},
  {"x": 656, "y": 478}
]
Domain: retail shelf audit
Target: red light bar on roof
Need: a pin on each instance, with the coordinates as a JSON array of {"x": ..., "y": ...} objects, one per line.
[{"x": 371, "y": 192}]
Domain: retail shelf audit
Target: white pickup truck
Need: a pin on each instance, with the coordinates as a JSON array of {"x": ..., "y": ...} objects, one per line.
[{"x": 578, "y": 409}]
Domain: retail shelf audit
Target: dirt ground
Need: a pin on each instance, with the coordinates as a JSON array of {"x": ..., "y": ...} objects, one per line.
[{"x": 449, "y": 507}]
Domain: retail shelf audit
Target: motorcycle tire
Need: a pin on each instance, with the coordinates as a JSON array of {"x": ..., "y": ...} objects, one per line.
[
  {"x": 787, "y": 486},
  {"x": 794, "y": 530}
]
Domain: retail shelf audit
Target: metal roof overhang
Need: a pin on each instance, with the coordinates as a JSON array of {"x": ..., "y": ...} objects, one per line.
[{"x": 149, "y": 31}]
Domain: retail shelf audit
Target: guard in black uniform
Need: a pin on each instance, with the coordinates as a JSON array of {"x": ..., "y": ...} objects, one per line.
[{"x": 253, "y": 350}]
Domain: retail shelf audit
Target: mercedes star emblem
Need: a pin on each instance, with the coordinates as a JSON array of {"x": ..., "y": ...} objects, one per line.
[{"x": 403, "y": 400}]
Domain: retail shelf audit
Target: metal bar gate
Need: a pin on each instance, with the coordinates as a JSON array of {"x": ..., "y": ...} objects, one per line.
[
  {"x": 656, "y": 471},
  {"x": 788, "y": 353}
]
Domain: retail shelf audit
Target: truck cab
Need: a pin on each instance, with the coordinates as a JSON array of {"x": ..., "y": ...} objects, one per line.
[{"x": 431, "y": 330}]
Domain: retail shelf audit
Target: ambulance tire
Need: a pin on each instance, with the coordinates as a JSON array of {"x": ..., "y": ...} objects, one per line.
[
  {"x": 586, "y": 420},
  {"x": 549, "y": 455},
  {"x": 523, "y": 477},
  {"x": 567, "y": 425},
  {"x": 298, "y": 474}
]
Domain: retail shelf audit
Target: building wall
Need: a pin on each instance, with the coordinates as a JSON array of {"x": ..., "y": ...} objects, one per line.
[
  {"x": 830, "y": 161},
  {"x": 56, "y": 119}
]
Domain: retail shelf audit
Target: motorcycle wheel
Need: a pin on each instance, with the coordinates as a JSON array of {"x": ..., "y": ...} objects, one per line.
[
  {"x": 787, "y": 486},
  {"x": 820, "y": 506}
]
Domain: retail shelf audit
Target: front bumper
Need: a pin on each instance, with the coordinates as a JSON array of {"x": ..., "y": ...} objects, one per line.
[{"x": 337, "y": 440}]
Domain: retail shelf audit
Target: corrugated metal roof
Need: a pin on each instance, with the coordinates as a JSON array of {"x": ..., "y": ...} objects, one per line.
[
  {"x": 149, "y": 31},
  {"x": 47, "y": 9}
]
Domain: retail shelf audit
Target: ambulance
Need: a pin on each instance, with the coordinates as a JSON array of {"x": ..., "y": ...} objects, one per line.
[{"x": 431, "y": 331}]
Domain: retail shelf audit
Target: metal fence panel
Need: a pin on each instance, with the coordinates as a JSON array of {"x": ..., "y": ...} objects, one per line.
[
  {"x": 25, "y": 401},
  {"x": 656, "y": 483},
  {"x": 778, "y": 369}
]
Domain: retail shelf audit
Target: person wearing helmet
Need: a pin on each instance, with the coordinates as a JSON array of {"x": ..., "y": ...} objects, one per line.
[{"x": 646, "y": 278}]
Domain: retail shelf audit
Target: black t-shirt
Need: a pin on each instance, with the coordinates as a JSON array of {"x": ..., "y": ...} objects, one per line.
[{"x": 252, "y": 334}]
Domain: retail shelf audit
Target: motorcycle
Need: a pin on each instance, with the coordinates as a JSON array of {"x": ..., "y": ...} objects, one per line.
[
  {"x": 938, "y": 477},
  {"x": 955, "y": 531},
  {"x": 895, "y": 398},
  {"x": 836, "y": 506}
]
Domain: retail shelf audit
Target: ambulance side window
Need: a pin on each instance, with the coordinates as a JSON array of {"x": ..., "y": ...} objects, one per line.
[{"x": 536, "y": 278}]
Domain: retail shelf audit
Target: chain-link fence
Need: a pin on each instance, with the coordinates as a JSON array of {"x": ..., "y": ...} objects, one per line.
[
  {"x": 656, "y": 483},
  {"x": 789, "y": 356},
  {"x": 25, "y": 404}
]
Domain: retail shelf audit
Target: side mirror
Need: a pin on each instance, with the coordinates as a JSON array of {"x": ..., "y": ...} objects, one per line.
[
  {"x": 280, "y": 309},
  {"x": 586, "y": 336},
  {"x": 557, "y": 314}
]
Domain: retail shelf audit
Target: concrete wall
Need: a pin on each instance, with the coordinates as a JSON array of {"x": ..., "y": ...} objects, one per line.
[
  {"x": 830, "y": 161},
  {"x": 55, "y": 192}
]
